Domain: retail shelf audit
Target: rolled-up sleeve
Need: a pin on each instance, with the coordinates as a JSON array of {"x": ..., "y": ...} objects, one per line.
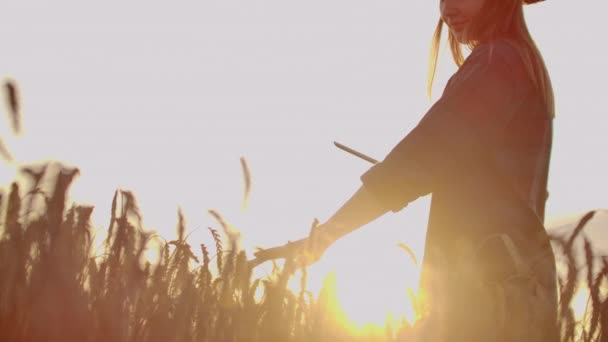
[{"x": 451, "y": 137}]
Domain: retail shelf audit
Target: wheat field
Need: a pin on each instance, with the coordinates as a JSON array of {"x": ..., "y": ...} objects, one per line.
[{"x": 56, "y": 285}]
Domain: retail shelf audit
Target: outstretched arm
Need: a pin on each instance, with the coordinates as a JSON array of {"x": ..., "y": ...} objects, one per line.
[
  {"x": 361, "y": 209},
  {"x": 356, "y": 212},
  {"x": 443, "y": 150}
]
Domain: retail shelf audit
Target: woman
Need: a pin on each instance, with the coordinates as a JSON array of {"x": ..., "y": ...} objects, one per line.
[{"x": 483, "y": 151}]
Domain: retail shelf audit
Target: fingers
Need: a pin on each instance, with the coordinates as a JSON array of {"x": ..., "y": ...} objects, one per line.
[
  {"x": 294, "y": 252},
  {"x": 304, "y": 251},
  {"x": 264, "y": 255},
  {"x": 274, "y": 253},
  {"x": 286, "y": 251}
]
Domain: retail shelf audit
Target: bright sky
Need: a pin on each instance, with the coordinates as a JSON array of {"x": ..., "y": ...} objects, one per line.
[{"x": 164, "y": 98}]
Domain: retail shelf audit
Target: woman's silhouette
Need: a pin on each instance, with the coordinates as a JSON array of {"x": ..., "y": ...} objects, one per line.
[{"x": 483, "y": 151}]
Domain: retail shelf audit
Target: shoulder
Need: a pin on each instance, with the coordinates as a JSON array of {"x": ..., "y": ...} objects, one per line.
[
  {"x": 499, "y": 53},
  {"x": 498, "y": 60}
]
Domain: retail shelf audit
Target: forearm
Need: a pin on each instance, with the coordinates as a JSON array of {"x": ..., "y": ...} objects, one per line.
[{"x": 361, "y": 209}]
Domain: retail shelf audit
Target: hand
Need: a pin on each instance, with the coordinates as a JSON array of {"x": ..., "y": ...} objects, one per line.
[{"x": 304, "y": 252}]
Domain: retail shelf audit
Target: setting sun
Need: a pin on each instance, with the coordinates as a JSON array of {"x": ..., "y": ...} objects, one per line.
[
  {"x": 365, "y": 295},
  {"x": 368, "y": 296}
]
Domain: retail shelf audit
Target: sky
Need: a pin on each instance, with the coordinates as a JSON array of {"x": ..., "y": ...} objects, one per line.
[{"x": 164, "y": 98}]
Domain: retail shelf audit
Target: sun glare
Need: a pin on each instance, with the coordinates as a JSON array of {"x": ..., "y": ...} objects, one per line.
[
  {"x": 363, "y": 315},
  {"x": 364, "y": 297},
  {"x": 384, "y": 303}
]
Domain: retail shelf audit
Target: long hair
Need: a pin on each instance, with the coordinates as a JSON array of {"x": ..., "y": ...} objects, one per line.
[{"x": 499, "y": 19}]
